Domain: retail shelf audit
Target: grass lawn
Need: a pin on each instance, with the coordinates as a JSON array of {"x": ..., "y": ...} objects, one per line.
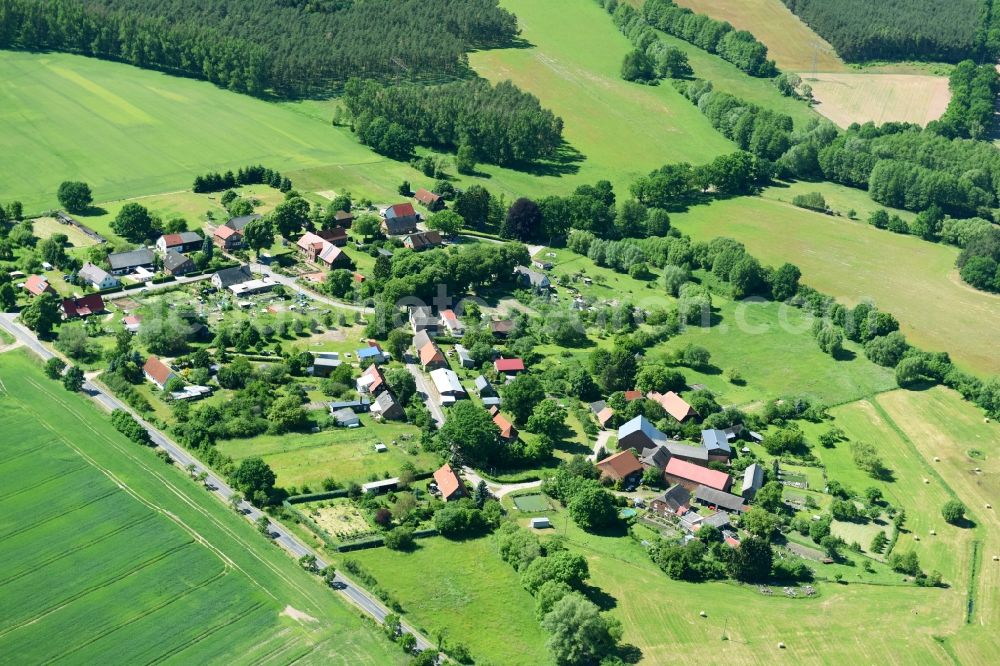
[
  {"x": 940, "y": 424},
  {"x": 346, "y": 454},
  {"x": 49, "y": 226},
  {"x": 915, "y": 280},
  {"x": 839, "y": 198},
  {"x": 772, "y": 347},
  {"x": 466, "y": 590},
  {"x": 573, "y": 66},
  {"x": 90, "y": 520}
]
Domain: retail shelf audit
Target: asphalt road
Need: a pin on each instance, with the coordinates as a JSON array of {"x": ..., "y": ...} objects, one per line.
[
  {"x": 217, "y": 486},
  {"x": 292, "y": 284}
]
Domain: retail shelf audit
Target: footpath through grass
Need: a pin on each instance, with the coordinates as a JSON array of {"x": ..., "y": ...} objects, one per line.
[{"x": 108, "y": 551}]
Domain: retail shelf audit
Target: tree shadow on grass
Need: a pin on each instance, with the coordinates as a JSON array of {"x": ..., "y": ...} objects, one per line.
[
  {"x": 92, "y": 211},
  {"x": 599, "y": 597},
  {"x": 844, "y": 355},
  {"x": 565, "y": 162}
]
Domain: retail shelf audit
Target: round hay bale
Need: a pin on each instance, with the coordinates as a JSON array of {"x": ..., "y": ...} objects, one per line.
[
  {"x": 703, "y": 614},
  {"x": 781, "y": 646},
  {"x": 916, "y": 538},
  {"x": 933, "y": 533},
  {"x": 936, "y": 459},
  {"x": 989, "y": 506},
  {"x": 996, "y": 558},
  {"x": 927, "y": 480}
]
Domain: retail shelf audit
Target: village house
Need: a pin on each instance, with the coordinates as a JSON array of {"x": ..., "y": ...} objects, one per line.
[
  {"x": 753, "y": 479},
  {"x": 433, "y": 202},
  {"x": 251, "y": 287},
  {"x": 227, "y": 239},
  {"x": 175, "y": 263},
  {"x": 387, "y": 408},
  {"x": 691, "y": 476},
  {"x": 451, "y": 322},
  {"x": 673, "y": 404},
  {"x": 449, "y": 483},
  {"x": 464, "y": 357},
  {"x": 183, "y": 242},
  {"x": 228, "y": 277},
  {"x": 371, "y": 381},
  {"x": 399, "y": 219},
  {"x": 97, "y": 277},
  {"x": 423, "y": 240},
  {"x": 335, "y": 235},
  {"x": 36, "y": 285},
  {"x": 675, "y": 501},
  {"x": 541, "y": 264},
  {"x": 431, "y": 357},
  {"x": 448, "y": 385},
  {"x": 132, "y": 323},
  {"x": 622, "y": 466},
  {"x": 370, "y": 354},
  {"x": 529, "y": 278},
  {"x": 420, "y": 339},
  {"x": 157, "y": 372},
  {"x": 240, "y": 223},
  {"x": 422, "y": 319},
  {"x": 122, "y": 263},
  {"x": 502, "y": 328},
  {"x": 83, "y": 306},
  {"x": 508, "y": 432},
  {"x": 343, "y": 219},
  {"x": 317, "y": 250}
]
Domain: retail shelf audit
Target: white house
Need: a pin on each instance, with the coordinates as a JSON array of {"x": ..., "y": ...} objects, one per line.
[{"x": 97, "y": 277}]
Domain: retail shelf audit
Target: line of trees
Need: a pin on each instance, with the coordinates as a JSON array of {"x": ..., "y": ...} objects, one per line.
[
  {"x": 902, "y": 29},
  {"x": 260, "y": 47},
  {"x": 652, "y": 59},
  {"x": 251, "y": 175},
  {"x": 719, "y": 37},
  {"x": 499, "y": 124}
]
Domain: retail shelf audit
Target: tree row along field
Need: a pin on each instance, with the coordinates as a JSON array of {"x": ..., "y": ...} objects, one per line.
[{"x": 116, "y": 553}]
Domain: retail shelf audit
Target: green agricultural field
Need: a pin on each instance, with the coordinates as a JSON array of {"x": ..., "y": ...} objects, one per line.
[
  {"x": 345, "y": 454},
  {"x": 466, "y": 590},
  {"x": 912, "y": 278},
  {"x": 572, "y": 63},
  {"x": 115, "y": 553}
]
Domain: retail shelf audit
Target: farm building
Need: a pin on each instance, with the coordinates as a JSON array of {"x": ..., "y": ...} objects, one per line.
[
  {"x": 323, "y": 366},
  {"x": 123, "y": 263},
  {"x": 240, "y": 223},
  {"x": 721, "y": 500},
  {"x": 430, "y": 200},
  {"x": 360, "y": 405},
  {"x": 691, "y": 476},
  {"x": 540, "y": 523},
  {"x": 507, "y": 430},
  {"x": 447, "y": 384},
  {"x": 371, "y": 354},
  {"x": 343, "y": 219},
  {"x": 464, "y": 357},
  {"x": 346, "y": 418},
  {"x": 529, "y": 278},
  {"x": 753, "y": 479},
  {"x": 183, "y": 242},
  {"x": 502, "y": 328},
  {"x": 379, "y": 487},
  {"x": 399, "y": 219},
  {"x": 97, "y": 277},
  {"x": 508, "y": 366},
  {"x": 251, "y": 287},
  {"x": 674, "y": 501},
  {"x": 716, "y": 444}
]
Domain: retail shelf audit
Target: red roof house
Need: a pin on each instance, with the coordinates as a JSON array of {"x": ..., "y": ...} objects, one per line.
[
  {"x": 673, "y": 404},
  {"x": 632, "y": 395},
  {"x": 509, "y": 365},
  {"x": 431, "y": 356},
  {"x": 507, "y": 429},
  {"x": 82, "y": 307},
  {"x": 157, "y": 371},
  {"x": 429, "y": 199},
  {"x": 38, "y": 285},
  {"x": 620, "y": 466},
  {"x": 604, "y": 416},
  {"x": 449, "y": 483},
  {"x": 691, "y": 476}
]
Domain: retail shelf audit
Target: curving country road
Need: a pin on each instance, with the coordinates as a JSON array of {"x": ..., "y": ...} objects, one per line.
[{"x": 217, "y": 486}]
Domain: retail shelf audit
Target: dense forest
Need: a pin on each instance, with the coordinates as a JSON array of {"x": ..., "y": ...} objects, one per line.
[
  {"x": 944, "y": 30},
  {"x": 501, "y": 124},
  {"x": 971, "y": 111},
  {"x": 283, "y": 47},
  {"x": 719, "y": 37}
]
